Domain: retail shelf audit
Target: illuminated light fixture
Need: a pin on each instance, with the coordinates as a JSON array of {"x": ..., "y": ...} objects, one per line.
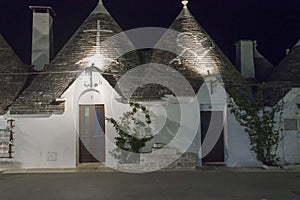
[
  {"x": 185, "y": 3},
  {"x": 205, "y": 71},
  {"x": 60, "y": 99},
  {"x": 95, "y": 61}
]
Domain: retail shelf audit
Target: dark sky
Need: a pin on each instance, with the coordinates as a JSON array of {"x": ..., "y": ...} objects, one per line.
[{"x": 274, "y": 24}]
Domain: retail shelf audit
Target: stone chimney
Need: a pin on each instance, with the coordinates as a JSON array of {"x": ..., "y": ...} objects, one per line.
[
  {"x": 244, "y": 58},
  {"x": 42, "y": 36}
]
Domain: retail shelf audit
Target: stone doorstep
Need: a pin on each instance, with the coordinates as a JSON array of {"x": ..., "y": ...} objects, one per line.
[{"x": 85, "y": 167}]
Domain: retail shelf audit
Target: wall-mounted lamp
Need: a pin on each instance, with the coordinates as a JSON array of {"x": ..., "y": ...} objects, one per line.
[{"x": 208, "y": 72}]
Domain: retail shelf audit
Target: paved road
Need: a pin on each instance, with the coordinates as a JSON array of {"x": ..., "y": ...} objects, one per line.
[{"x": 151, "y": 186}]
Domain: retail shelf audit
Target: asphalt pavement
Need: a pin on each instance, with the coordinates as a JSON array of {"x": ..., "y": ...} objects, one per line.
[{"x": 151, "y": 186}]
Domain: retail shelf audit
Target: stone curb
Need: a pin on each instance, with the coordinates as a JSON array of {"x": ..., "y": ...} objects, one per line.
[{"x": 199, "y": 169}]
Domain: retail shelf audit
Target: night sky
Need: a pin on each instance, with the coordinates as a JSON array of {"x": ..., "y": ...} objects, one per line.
[{"x": 274, "y": 24}]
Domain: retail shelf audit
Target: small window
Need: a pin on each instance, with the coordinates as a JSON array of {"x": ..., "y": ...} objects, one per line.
[{"x": 290, "y": 124}]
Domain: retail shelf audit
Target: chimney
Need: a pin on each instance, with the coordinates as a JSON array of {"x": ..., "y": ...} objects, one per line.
[
  {"x": 244, "y": 58},
  {"x": 42, "y": 36}
]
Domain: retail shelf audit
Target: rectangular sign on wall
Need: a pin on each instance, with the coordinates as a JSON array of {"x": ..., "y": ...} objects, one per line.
[{"x": 5, "y": 141}]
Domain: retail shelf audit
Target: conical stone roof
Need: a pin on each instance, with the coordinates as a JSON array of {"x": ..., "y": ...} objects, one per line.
[
  {"x": 193, "y": 53},
  {"x": 13, "y": 75},
  {"x": 91, "y": 44},
  {"x": 285, "y": 76},
  {"x": 289, "y": 68}
]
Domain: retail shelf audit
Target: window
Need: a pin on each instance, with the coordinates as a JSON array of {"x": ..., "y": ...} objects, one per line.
[{"x": 290, "y": 124}]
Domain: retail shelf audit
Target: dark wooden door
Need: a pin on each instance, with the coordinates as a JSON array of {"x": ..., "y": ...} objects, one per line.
[
  {"x": 91, "y": 134},
  {"x": 217, "y": 153}
]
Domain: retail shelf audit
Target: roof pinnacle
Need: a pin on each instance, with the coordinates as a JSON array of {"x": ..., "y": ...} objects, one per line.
[
  {"x": 100, "y": 8},
  {"x": 185, "y": 2}
]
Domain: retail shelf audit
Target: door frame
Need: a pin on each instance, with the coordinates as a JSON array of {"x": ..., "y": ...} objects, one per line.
[
  {"x": 80, "y": 106},
  {"x": 215, "y": 108},
  {"x": 285, "y": 132}
]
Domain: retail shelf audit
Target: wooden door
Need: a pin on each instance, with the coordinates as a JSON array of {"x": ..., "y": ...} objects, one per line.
[
  {"x": 216, "y": 155},
  {"x": 91, "y": 134}
]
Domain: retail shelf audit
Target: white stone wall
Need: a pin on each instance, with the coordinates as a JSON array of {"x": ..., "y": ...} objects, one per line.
[
  {"x": 289, "y": 147},
  {"x": 236, "y": 142},
  {"x": 52, "y": 141},
  {"x": 238, "y": 152}
]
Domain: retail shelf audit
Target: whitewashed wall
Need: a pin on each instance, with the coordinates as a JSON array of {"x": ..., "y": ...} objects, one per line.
[
  {"x": 289, "y": 147},
  {"x": 236, "y": 142},
  {"x": 239, "y": 153},
  {"x": 52, "y": 141},
  {"x": 46, "y": 141}
]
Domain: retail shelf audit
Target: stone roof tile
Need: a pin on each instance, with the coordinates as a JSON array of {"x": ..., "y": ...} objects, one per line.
[
  {"x": 289, "y": 67},
  {"x": 83, "y": 49},
  {"x": 195, "y": 52},
  {"x": 13, "y": 75}
]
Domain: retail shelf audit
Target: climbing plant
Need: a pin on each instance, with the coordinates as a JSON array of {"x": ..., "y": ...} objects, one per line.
[
  {"x": 261, "y": 122},
  {"x": 133, "y": 128}
]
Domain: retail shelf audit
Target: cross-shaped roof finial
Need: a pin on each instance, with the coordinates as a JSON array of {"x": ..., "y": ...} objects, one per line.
[{"x": 185, "y": 2}]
